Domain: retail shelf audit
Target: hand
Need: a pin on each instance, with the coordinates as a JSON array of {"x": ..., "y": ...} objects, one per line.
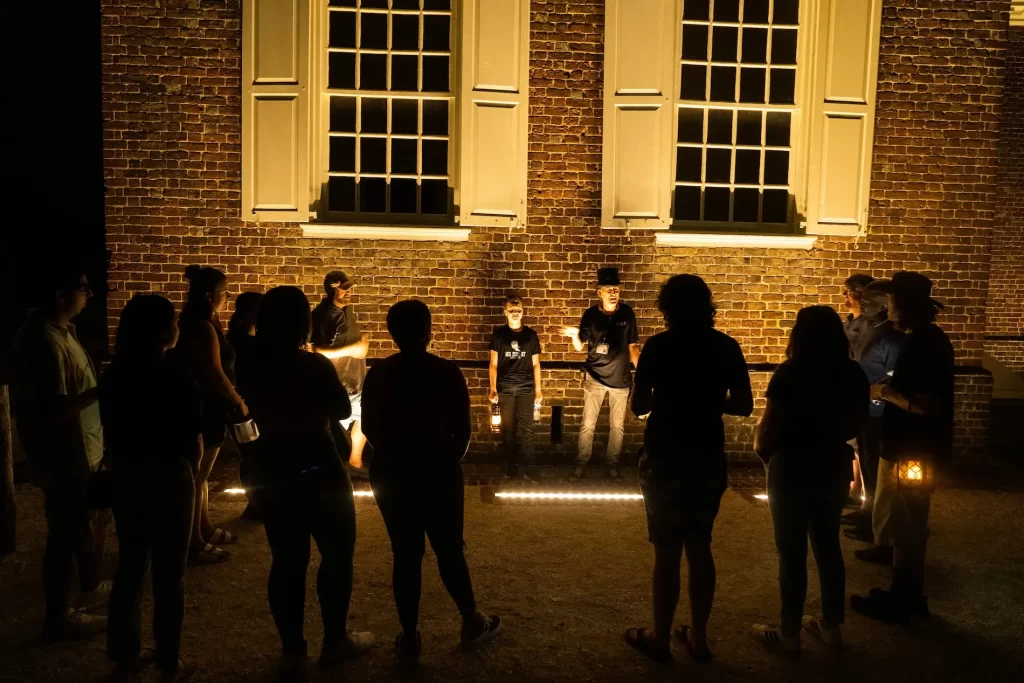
[
  {"x": 538, "y": 397},
  {"x": 570, "y": 331},
  {"x": 493, "y": 397},
  {"x": 878, "y": 391},
  {"x": 243, "y": 409}
]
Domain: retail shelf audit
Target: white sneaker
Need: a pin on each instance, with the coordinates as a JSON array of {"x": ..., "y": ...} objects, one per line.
[
  {"x": 74, "y": 624},
  {"x": 831, "y": 635},
  {"x": 96, "y": 598},
  {"x": 771, "y": 637},
  {"x": 355, "y": 644}
]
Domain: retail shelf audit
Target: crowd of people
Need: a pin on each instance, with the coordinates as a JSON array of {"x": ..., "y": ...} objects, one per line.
[{"x": 851, "y": 405}]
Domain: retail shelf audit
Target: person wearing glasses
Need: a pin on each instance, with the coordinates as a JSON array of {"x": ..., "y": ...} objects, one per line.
[
  {"x": 859, "y": 329},
  {"x": 55, "y": 404},
  {"x": 204, "y": 350}
]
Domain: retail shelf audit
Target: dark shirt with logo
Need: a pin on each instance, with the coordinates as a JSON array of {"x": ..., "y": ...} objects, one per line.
[
  {"x": 608, "y": 336},
  {"x": 515, "y": 349},
  {"x": 334, "y": 328}
]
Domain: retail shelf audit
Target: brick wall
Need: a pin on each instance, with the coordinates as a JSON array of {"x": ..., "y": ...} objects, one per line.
[
  {"x": 172, "y": 111},
  {"x": 1006, "y": 287}
]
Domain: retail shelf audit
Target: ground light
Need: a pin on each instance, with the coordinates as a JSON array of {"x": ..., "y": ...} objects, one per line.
[
  {"x": 544, "y": 495},
  {"x": 358, "y": 494}
]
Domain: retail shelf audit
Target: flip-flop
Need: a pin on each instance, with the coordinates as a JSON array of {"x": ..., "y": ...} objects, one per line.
[
  {"x": 222, "y": 537},
  {"x": 638, "y": 639},
  {"x": 209, "y": 554},
  {"x": 682, "y": 633}
]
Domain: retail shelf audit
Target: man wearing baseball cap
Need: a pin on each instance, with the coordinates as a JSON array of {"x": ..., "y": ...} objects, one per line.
[
  {"x": 337, "y": 335},
  {"x": 917, "y": 425}
]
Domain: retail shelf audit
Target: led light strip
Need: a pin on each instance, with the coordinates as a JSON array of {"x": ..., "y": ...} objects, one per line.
[
  {"x": 764, "y": 496},
  {"x": 568, "y": 496},
  {"x": 358, "y": 494}
]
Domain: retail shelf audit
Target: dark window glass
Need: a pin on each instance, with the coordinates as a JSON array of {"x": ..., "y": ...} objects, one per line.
[
  {"x": 343, "y": 29},
  {"x": 692, "y": 82},
  {"x": 405, "y": 4},
  {"x": 777, "y": 134},
  {"x": 697, "y": 10},
  {"x": 435, "y": 74},
  {"x": 403, "y": 156},
  {"x": 716, "y": 203},
  {"x": 435, "y": 157},
  {"x": 373, "y": 72},
  {"x": 436, "y": 32},
  {"x": 343, "y": 114},
  {"x": 748, "y": 128},
  {"x": 437, "y": 4},
  {"x": 719, "y": 165},
  {"x": 720, "y": 126},
  {"x": 695, "y": 42},
  {"x": 727, "y": 10},
  {"x": 404, "y": 70},
  {"x": 744, "y": 204},
  {"x": 341, "y": 194},
  {"x": 373, "y": 155},
  {"x": 752, "y": 85},
  {"x": 688, "y": 163},
  {"x": 755, "y": 46},
  {"x": 723, "y": 84},
  {"x": 435, "y": 117},
  {"x": 687, "y": 201},
  {"x": 748, "y": 166},
  {"x": 786, "y": 12},
  {"x": 723, "y": 43},
  {"x": 403, "y": 195},
  {"x": 342, "y": 155},
  {"x": 784, "y": 46},
  {"x": 373, "y": 193},
  {"x": 405, "y": 32},
  {"x": 783, "y": 86},
  {"x": 341, "y": 70},
  {"x": 776, "y": 206},
  {"x": 434, "y": 197},
  {"x": 375, "y": 4},
  {"x": 342, "y": 3},
  {"x": 374, "y": 29},
  {"x": 776, "y": 168},
  {"x": 755, "y": 11},
  {"x": 691, "y": 125},
  {"x": 404, "y": 117},
  {"x": 375, "y": 115}
]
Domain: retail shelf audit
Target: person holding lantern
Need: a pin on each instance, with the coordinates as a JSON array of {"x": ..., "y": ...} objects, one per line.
[
  {"x": 514, "y": 373},
  {"x": 917, "y": 435},
  {"x": 608, "y": 330}
]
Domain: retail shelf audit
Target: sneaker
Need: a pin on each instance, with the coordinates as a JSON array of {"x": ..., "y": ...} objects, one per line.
[
  {"x": 578, "y": 474},
  {"x": 479, "y": 630},
  {"x": 408, "y": 649},
  {"x": 512, "y": 472},
  {"x": 876, "y": 554},
  {"x": 354, "y": 644},
  {"x": 74, "y": 624},
  {"x": 917, "y": 604},
  {"x": 531, "y": 477},
  {"x": 293, "y": 669},
  {"x": 772, "y": 638},
  {"x": 831, "y": 635},
  {"x": 613, "y": 473},
  {"x": 97, "y": 597}
]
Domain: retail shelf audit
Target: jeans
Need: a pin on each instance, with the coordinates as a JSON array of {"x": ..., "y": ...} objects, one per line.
[
  {"x": 593, "y": 396},
  {"x": 74, "y": 533},
  {"x": 154, "y": 526},
  {"x": 517, "y": 428},
  {"x": 869, "y": 449},
  {"x": 412, "y": 510},
  {"x": 796, "y": 516},
  {"x": 293, "y": 512}
]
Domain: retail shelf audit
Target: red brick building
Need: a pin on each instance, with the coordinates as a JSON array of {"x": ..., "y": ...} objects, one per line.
[{"x": 295, "y": 137}]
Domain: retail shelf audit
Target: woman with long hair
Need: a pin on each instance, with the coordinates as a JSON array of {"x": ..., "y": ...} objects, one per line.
[
  {"x": 303, "y": 489},
  {"x": 207, "y": 353},
  {"x": 152, "y": 417},
  {"x": 817, "y": 401},
  {"x": 687, "y": 378}
]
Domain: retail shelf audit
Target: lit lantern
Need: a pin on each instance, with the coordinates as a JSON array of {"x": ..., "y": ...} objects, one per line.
[
  {"x": 495, "y": 418},
  {"x": 915, "y": 474}
]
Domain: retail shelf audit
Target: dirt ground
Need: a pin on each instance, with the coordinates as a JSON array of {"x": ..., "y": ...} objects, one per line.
[{"x": 568, "y": 581}]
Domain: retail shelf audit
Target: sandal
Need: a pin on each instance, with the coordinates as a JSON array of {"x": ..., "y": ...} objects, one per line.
[
  {"x": 222, "y": 537},
  {"x": 701, "y": 654},
  {"x": 639, "y": 639},
  {"x": 182, "y": 672},
  {"x": 209, "y": 554}
]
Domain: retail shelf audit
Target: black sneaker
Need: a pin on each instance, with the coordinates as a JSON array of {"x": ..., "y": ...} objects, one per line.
[
  {"x": 876, "y": 554},
  {"x": 578, "y": 474},
  {"x": 881, "y": 606},
  {"x": 408, "y": 649},
  {"x": 917, "y": 604},
  {"x": 512, "y": 472},
  {"x": 479, "y": 631}
]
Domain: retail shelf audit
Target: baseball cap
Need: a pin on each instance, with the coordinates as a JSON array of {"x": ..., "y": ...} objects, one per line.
[{"x": 337, "y": 278}]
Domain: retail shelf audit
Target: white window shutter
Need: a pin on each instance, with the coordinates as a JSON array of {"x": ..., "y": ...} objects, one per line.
[
  {"x": 493, "y": 101},
  {"x": 640, "y": 66},
  {"x": 841, "y": 114},
  {"x": 275, "y": 110}
]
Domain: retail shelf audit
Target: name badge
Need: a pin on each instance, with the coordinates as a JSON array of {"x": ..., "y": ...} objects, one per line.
[{"x": 601, "y": 349}]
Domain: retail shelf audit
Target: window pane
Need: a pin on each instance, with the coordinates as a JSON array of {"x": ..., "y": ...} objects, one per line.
[
  {"x": 776, "y": 206},
  {"x": 692, "y": 83},
  {"x": 437, "y": 4},
  {"x": 748, "y": 166},
  {"x": 435, "y": 117},
  {"x": 341, "y": 70},
  {"x": 691, "y": 125},
  {"x": 405, "y": 4},
  {"x": 342, "y": 3},
  {"x": 434, "y": 197},
  {"x": 373, "y": 155},
  {"x": 404, "y": 117},
  {"x": 405, "y": 32},
  {"x": 403, "y": 156},
  {"x": 436, "y": 33},
  {"x": 755, "y": 11},
  {"x": 435, "y": 74},
  {"x": 343, "y": 29},
  {"x": 404, "y": 72},
  {"x": 752, "y": 85},
  {"x": 719, "y": 165},
  {"x": 727, "y": 10},
  {"x": 403, "y": 195},
  {"x": 784, "y": 46},
  {"x": 374, "y": 28},
  {"x": 435, "y": 157},
  {"x": 342, "y": 155},
  {"x": 723, "y": 43},
  {"x": 716, "y": 203},
  {"x": 343, "y": 114},
  {"x": 341, "y": 194},
  {"x": 698, "y": 10},
  {"x": 687, "y": 201},
  {"x": 776, "y": 168},
  {"x": 723, "y": 84},
  {"x": 755, "y": 46},
  {"x": 744, "y": 204},
  {"x": 375, "y": 115},
  {"x": 373, "y": 72},
  {"x": 748, "y": 128},
  {"x": 783, "y": 86},
  {"x": 373, "y": 194},
  {"x": 688, "y": 162},
  {"x": 375, "y": 4},
  {"x": 695, "y": 42},
  {"x": 777, "y": 134},
  {"x": 720, "y": 126},
  {"x": 786, "y": 12}
]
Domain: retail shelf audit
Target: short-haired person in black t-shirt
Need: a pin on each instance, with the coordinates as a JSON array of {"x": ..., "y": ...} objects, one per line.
[
  {"x": 514, "y": 373},
  {"x": 608, "y": 330}
]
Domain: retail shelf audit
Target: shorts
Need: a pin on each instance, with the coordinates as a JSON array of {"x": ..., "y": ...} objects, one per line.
[
  {"x": 356, "y": 400},
  {"x": 680, "y": 509},
  {"x": 214, "y": 421}
]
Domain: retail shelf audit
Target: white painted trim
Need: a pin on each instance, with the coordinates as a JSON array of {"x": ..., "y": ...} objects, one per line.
[
  {"x": 384, "y": 232},
  {"x": 678, "y": 238},
  {"x": 1016, "y": 12}
]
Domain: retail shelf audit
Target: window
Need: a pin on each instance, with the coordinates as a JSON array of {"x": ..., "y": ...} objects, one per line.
[
  {"x": 736, "y": 108},
  {"x": 389, "y": 85}
]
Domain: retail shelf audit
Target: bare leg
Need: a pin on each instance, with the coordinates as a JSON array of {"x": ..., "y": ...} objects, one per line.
[
  {"x": 702, "y": 590},
  {"x": 358, "y": 443},
  {"x": 202, "y": 529},
  {"x": 856, "y": 486},
  {"x": 667, "y": 560}
]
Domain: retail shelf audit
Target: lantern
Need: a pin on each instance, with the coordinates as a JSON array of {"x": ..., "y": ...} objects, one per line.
[
  {"x": 495, "y": 418},
  {"x": 915, "y": 473}
]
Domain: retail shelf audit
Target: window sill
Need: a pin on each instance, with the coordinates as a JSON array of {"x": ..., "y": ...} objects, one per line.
[
  {"x": 678, "y": 238},
  {"x": 385, "y": 232}
]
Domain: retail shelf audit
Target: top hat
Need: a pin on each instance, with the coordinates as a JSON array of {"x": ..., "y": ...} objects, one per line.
[{"x": 607, "y": 277}]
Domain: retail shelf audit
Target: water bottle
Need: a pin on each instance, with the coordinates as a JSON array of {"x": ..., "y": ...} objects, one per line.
[
  {"x": 244, "y": 429},
  {"x": 536, "y": 411}
]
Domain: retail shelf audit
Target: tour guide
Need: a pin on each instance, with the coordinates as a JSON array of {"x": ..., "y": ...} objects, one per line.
[{"x": 609, "y": 331}]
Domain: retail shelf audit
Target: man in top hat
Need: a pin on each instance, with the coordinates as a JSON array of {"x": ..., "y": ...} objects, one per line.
[
  {"x": 917, "y": 424},
  {"x": 337, "y": 335},
  {"x": 609, "y": 331}
]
